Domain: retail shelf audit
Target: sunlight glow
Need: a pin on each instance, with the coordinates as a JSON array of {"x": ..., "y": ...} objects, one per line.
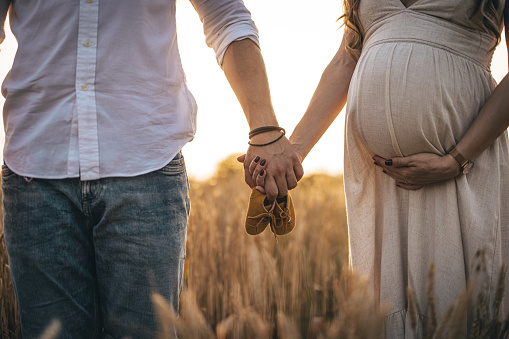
[{"x": 297, "y": 41}]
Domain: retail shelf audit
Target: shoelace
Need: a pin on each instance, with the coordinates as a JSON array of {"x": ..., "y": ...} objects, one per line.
[
  {"x": 272, "y": 219},
  {"x": 285, "y": 214}
]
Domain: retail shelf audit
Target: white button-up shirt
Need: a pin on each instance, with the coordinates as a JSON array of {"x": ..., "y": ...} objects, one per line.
[{"x": 97, "y": 87}]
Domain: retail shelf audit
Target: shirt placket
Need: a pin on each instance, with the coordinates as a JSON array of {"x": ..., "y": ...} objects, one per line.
[{"x": 88, "y": 143}]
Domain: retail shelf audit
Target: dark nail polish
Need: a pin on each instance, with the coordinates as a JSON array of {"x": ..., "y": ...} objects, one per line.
[
  {"x": 384, "y": 171},
  {"x": 388, "y": 162},
  {"x": 263, "y": 162},
  {"x": 257, "y": 158},
  {"x": 376, "y": 164},
  {"x": 262, "y": 172}
]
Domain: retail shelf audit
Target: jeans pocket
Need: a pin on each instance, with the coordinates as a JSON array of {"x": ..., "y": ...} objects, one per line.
[
  {"x": 6, "y": 172},
  {"x": 174, "y": 167}
]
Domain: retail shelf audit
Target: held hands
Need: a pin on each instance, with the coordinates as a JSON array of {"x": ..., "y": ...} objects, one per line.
[
  {"x": 418, "y": 170},
  {"x": 274, "y": 169}
]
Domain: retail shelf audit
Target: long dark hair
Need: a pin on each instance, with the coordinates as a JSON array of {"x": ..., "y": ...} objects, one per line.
[{"x": 487, "y": 8}]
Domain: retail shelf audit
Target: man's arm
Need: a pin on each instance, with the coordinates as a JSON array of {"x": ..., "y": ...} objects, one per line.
[
  {"x": 245, "y": 70},
  {"x": 231, "y": 32},
  {"x": 4, "y": 7}
]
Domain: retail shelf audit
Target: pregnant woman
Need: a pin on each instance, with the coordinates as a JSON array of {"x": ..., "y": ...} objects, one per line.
[{"x": 421, "y": 81}]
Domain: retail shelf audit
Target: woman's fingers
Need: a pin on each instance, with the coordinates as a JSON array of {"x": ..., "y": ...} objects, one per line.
[
  {"x": 258, "y": 171},
  {"x": 260, "y": 181},
  {"x": 408, "y": 186},
  {"x": 258, "y": 166},
  {"x": 253, "y": 165},
  {"x": 418, "y": 169}
]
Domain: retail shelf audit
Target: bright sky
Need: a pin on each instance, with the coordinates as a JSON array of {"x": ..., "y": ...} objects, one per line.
[{"x": 298, "y": 40}]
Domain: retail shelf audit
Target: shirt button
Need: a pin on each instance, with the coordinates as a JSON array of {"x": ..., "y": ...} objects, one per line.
[
  {"x": 87, "y": 43},
  {"x": 90, "y": 1},
  {"x": 84, "y": 87}
]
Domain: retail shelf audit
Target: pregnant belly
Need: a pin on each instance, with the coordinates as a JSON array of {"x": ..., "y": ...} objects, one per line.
[{"x": 406, "y": 98}]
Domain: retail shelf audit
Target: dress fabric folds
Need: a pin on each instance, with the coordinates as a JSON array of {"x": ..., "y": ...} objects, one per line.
[{"x": 422, "y": 77}]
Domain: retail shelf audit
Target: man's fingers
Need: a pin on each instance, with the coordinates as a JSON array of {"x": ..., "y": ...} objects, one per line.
[
  {"x": 291, "y": 180},
  {"x": 298, "y": 171},
  {"x": 282, "y": 185},
  {"x": 271, "y": 188}
]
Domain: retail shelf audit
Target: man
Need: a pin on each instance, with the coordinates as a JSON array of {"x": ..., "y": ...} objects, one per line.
[{"x": 95, "y": 189}]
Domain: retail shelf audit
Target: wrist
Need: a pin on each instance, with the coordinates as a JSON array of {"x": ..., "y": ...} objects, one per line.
[
  {"x": 465, "y": 165},
  {"x": 450, "y": 166},
  {"x": 299, "y": 149},
  {"x": 265, "y": 137},
  {"x": 267, "y": 131}
]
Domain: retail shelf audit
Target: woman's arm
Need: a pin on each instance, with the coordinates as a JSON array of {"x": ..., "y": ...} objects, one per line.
[
  {"x": 425, "y": 168},
  {"x": 326, "y": 103}
]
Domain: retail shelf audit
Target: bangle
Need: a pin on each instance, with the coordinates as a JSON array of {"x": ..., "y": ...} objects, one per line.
[
  {"x": 283, "y": 132},
  {"x": 264, "y": 129}
]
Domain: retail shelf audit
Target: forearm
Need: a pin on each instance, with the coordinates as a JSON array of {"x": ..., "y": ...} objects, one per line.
[
  {"x": 245, "y": 70},
  {"x": 4, "y": 7},
  {"x": 327, "y": 101},
  {"x": 492, "y": 121}
]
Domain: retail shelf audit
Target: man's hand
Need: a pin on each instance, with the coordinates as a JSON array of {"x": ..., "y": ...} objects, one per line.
[
  {"x": 418, "y": 170},
  {"x": 280, "y": 163}
]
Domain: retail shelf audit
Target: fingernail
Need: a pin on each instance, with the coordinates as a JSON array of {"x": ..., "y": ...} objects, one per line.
[
  {"x": 388, "y": 162},
  {"x": 262, "y": 172},
  {"x": 373, "y": 158},
  {"x": 384, "y": 171},
  {"x": 257, "y": 158},
  {"x": 398, "y": 185},
  {"x": 376, "y": 164},
  {"x": 263, "y": 162}
]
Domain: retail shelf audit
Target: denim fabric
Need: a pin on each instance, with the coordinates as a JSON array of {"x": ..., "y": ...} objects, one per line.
[{"x": 90, "y": 253}]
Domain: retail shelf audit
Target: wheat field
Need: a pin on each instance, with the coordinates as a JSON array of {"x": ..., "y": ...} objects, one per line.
[{"x": 242, "y": 286}]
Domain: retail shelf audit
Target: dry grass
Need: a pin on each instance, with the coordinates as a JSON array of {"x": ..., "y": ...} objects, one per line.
[
  {"x": 244, "y": 282},
  {"x": 242, "y": 286},
  {"x": 9, "y": 316}
]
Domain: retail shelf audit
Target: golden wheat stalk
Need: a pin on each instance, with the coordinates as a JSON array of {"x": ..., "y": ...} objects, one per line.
[
  {"x": 412, "y": 309},
  {"x": 52, "y": 331},
  {"x": 432, "y": 308}
]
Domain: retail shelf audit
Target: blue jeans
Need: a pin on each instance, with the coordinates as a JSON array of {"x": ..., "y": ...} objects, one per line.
[{"x": 90, "y": 253}]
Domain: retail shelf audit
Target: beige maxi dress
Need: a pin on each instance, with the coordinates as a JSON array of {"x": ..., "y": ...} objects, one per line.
[{"x": 423, "y": 75}]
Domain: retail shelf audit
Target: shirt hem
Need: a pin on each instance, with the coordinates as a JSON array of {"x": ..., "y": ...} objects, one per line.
[{"x": 115, "y": 175}]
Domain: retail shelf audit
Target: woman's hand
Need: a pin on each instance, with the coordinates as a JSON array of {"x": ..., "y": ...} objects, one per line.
[
  {"x": 257, "y": 171},
  {"x": 418, "y": 170}
]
